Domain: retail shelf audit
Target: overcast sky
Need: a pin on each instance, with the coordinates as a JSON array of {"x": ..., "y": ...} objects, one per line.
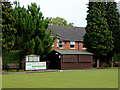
[{"x": 71, "y": 10}]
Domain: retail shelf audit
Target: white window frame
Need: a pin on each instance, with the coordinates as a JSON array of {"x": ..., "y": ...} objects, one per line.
[
  {"x": 61, "y": 43},
  {"x": 57, "y": 42},
  {"x": 72, "y": 43}
]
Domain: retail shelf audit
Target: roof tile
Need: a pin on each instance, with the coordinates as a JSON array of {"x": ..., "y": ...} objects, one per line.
[{"x": 68, "y": 33}]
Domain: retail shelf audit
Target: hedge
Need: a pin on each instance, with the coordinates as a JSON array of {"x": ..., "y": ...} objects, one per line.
[{"x": 11, "y": 57}]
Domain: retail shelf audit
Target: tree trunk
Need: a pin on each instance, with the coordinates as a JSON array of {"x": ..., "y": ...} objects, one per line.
[
  {"x": 112, "y": 62},
  {"x": 98, "y": 63}
]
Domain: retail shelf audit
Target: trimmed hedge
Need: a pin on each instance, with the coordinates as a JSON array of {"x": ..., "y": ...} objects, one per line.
[{"x": 11, "y": 57}]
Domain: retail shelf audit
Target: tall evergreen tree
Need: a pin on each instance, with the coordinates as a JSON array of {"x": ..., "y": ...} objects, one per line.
[
  {"x": 24, "y": 25},
  {"x": 42, "y": 37},
  {"x": 32, "y": 31},
  {"x": 113, "y": 21},
  {"x": 8, "y": 30},
  {"x": 98, "y": 39}
]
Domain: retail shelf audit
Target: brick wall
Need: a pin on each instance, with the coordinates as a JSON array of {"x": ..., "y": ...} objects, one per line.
[{"x": 66, "y": 46}]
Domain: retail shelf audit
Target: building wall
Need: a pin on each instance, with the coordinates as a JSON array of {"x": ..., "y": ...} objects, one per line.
[
  {"x": 71, "y": 61},
  {"x": 55, "y": 45},
  {"x": 66, "y": 46},
  {"x": 76, "y": 62},
  {"x": 76, "y": 66}
]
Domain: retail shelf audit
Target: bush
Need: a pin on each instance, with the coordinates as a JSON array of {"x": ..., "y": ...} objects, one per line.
[
  {"x": 117, "y": 57},
  {"x": 11, "y": 57}
]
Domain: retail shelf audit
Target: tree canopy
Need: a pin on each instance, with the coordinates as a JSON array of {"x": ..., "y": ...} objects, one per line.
[
  {"x": 8, "y": 29},
  {"x": 32, "y": 36},
  {"x": 58, "y": 21},
  {"x": 98, "y": 38},
  {"x": 112, "y": 16}
]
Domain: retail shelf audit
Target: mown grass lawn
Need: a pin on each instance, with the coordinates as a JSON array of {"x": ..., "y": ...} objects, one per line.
[{"x": 67, "y": 79}]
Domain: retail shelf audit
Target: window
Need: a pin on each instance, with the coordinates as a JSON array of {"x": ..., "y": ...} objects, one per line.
[
  {"x": 57, "y": 42},
  {"x": 72, "y": 45},
  {"x": 83, "y": 46},
  {"x": 61, "y": 44}
]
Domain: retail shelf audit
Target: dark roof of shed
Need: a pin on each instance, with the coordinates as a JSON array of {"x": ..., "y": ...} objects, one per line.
[
  {"x": 68, "y": 33},
  {"x": 73, "y": 52}
]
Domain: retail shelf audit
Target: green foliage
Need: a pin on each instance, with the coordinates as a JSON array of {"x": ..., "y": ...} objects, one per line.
[
  {"x": 24, "y": 25},
  {"x": 8, "y": 30},
  {"x": 113, "y": 21},
  {"x": 58, "y": 21},
  {"x": 117, "y": 57},
  {"x": 98, "y": 39},
  {"x": 39, "y": 46},
  {"x": 111, "y": 42},
  {"x": 29, "y": 47},
  {"x": 32, "y": 35},
  {"x": 10, "y": 57}
]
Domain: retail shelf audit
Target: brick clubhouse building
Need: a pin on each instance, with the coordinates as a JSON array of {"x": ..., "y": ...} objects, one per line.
[{"x": 68, "y": 49}]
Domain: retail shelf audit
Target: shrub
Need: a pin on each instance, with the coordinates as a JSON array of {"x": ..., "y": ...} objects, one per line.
[
  {"x": 117, "y": 57},
  {"x": 10, "y": 57}
]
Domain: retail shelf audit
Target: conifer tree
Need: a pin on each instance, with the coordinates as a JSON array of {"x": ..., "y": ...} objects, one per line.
[
  {"x": 32, "y": 30},
  {"x": 113, "y": 21},
  {"x": 24, "y": 25},
  {"x": 98, "y": 39},
  {"x": 29, "y": 47},
  {"x": 43, "y": 39},
  {"x": 8, "y": 30}
]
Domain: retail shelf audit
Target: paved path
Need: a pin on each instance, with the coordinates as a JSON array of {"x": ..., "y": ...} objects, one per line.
[
  {"x": 4, "y": 72},
  {"x": 54, "y": 70}
]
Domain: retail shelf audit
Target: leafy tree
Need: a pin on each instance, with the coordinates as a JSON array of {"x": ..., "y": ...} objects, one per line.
[
  {"x": 58, "y": 21},
  {"x": 32, "y": 31},
  {"x": 8, "y": 30},
  {"x": 112, "y": 17},
  {"x": 98, "y": 39}
]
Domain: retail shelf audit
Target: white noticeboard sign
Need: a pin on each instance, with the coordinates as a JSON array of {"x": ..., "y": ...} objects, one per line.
[
  {"x": 32, "y": 58},
  {"x": 35, "y": 65}
]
